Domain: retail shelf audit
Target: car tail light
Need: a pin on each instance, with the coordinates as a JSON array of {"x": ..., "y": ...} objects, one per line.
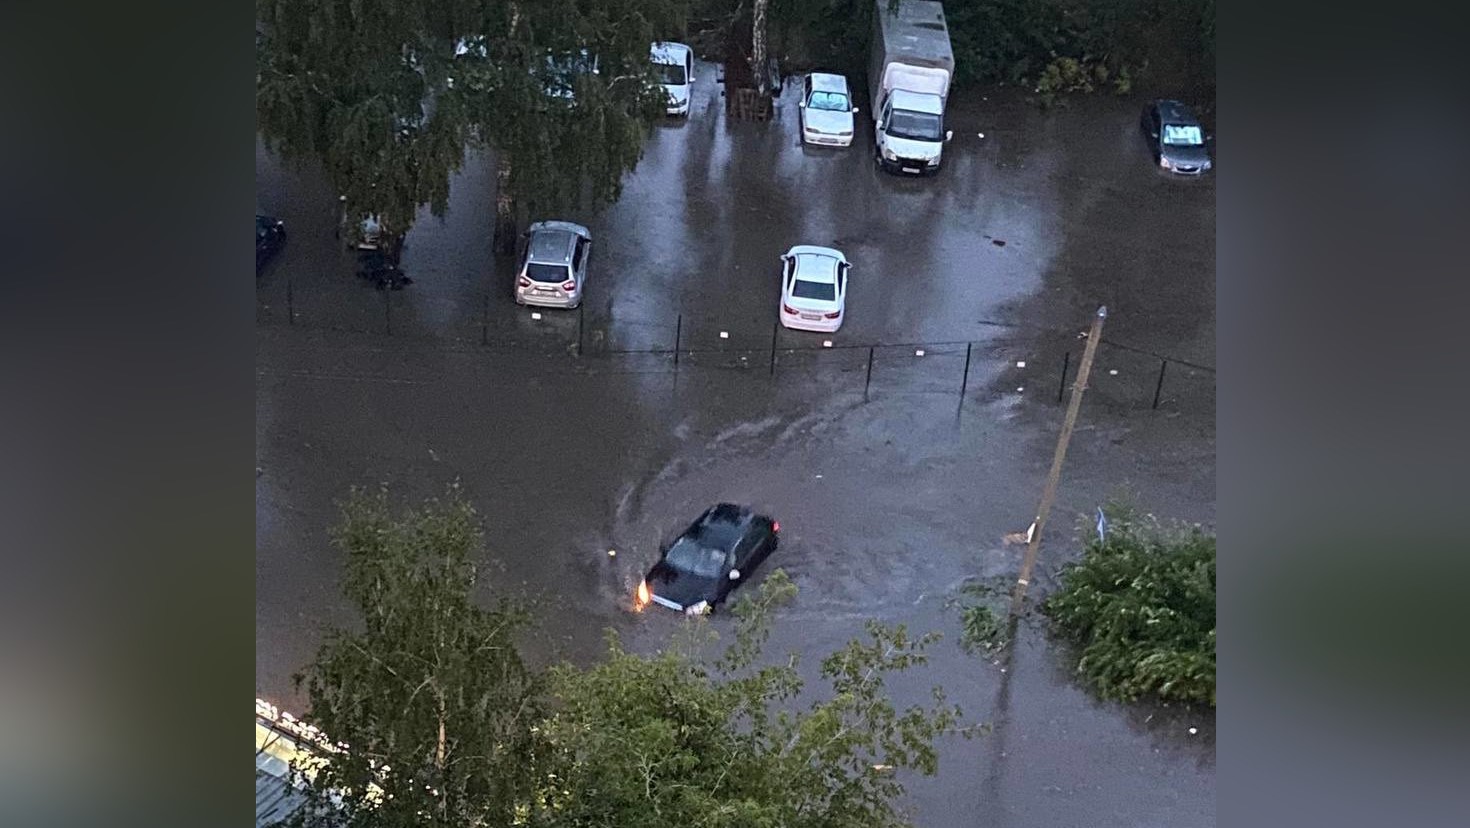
[
  {"x": 785, "y": 308},
  {"x": 832, "y": 315},
  {"x": 569, "y": 285},
  {"x": 775, "y": 526},
  {"x": 523, "y": 282}
]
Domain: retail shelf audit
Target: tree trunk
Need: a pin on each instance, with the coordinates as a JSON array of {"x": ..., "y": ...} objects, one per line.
[{"x": 758, "y": 47}]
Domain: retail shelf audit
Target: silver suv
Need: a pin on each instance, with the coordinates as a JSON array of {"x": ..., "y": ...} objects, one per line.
[{"x": 554, "y": 265}]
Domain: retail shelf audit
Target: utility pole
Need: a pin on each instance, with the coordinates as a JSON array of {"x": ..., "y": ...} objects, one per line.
[{"x": 1033, "y": 543}]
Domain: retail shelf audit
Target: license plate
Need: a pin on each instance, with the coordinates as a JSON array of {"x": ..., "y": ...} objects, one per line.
[
  {"x": 911, "y": 169},
  {"x": 812, "y": 316}
]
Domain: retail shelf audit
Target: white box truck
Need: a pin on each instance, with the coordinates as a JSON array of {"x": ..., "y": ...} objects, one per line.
[{"x": 909, "y": 73}]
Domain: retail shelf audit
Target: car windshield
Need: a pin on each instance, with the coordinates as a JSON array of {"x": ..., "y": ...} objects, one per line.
[
  {"x": 669, "y": 74},
  {"x": 814, "y": 290},
  {"x": 829, "y": 101},
  {"x": 1183, "y": 135},
  {"x": 538, "y": 272},
  {"x": 690, "y": 556},
  {"x": 915, "y": 126}
]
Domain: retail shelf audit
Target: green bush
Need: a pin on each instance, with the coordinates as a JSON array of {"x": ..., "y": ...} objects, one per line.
[{"x": 1140, "y": 606}]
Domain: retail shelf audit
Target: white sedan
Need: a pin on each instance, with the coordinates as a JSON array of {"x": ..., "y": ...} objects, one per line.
[{"x": 813, "y": 288}]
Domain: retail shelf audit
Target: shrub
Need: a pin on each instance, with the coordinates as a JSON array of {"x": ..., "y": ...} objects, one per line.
[
  {"x": 982, "y": 624},
  {"x": 1140, "y": 606}
]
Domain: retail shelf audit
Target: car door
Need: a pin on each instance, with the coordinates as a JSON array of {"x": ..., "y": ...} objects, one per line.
[
  {"x": 1155, "y": 135},
  {"x": 788, "y": 277},
  {"x": 842, "y": 270},
  {"x": 806, "y": 100}
]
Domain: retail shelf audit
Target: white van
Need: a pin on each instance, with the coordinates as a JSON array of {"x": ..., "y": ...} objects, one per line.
[{"x": 673, "y": 65}]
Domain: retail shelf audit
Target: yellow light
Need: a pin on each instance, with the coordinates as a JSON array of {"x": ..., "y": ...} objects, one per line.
[{"x": 643, "y": 596}]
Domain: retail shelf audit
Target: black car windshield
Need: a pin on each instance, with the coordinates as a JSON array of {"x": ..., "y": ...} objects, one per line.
[
  {"x": 1183, "y": 135},
  {"x": 830, "y": 101},
  {"x": 671, "y": 74},
  {"x": 814, "y": 290},
  {"x": 915, "y": 126},
  {"x": 538, "y": 272},
  {"x": 692, "y": 557}
]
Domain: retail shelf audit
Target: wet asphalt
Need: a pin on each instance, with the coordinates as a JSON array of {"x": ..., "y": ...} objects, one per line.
[{"x": 887, "y": 504}]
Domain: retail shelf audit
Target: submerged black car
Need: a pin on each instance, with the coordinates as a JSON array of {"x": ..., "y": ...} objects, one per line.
[
  {"x": 1175, "y": 137},
  {"x": 704, "y": 565},
  {"x": 270, "y": 236}
]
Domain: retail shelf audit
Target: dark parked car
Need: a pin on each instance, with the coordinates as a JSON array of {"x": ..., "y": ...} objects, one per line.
[
  {"x": 1175, "y": 137},
  {"x": 270, "y": 235},
  {"x": 717, "y": 553}
]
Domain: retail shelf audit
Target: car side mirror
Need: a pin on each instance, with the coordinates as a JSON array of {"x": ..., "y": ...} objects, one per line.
[
  {"x": 948, "y": 134},
  {"x": 879, "y": 126},
  {"x": 734, "y": 574},
  {"x": 1209, "y": 139},
  {"x": 801, "y": 104}
]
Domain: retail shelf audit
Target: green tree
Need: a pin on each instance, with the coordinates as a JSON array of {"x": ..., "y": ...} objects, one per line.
[
  {"x": 1140, "y": 605},
  {"x": 430, "y": 698},
  {"x": 388, "y": 94},
  {"x": 664, "y": 740}
]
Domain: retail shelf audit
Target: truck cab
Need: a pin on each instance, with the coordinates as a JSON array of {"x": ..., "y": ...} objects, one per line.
[
  {"x": 909, "y": 73},
  {"x": 909, "y": 133}
]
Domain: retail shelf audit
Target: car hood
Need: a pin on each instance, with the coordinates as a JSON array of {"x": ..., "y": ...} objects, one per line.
[
  {"x": 680, "y": 587},
  {"x": 918, "y": 150},
  {"x": 1186, "y": 154},
  {"x": 825, "y": 120},
  {"x": 678, "y": 95}
]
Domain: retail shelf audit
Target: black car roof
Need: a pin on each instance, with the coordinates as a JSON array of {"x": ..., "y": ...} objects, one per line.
[{"x": 1175, "y": 111}]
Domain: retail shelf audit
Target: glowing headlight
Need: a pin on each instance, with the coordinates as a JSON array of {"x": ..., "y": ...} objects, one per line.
[
  {"x": 697, "y": 609},
  {"x": 1164, "y": 162},
  {"x": 889, "y": 154}
]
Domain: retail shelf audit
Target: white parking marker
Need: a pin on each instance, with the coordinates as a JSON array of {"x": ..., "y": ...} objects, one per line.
[
  {"x": 1021, "y": 364},
  {"x": 1112, "y": 372},
  {"x": 535, "y": 315},
  {"x": 724, "y": 334},
  {"x": 919, "y": 352},
  {"x": 826, "y": 343},
  {"x": 612, "y": 553},
  {"x": 1019, "y": 390}
]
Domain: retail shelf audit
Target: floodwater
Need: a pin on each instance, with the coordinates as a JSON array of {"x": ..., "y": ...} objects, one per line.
[{"x": 890, "y": 498}]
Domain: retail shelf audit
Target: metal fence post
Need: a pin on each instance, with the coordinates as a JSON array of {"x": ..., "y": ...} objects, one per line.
[
  {"x": 1159, "y": 389},
  {"x": 1062, "y": 386},
  {"x": 869, "y": 381},
  {"x": 965, "y": 383},
  {"x": 775, "y": 329}
]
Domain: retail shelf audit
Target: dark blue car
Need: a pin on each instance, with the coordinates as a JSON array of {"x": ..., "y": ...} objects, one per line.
[{"x": 716, "y": 554}]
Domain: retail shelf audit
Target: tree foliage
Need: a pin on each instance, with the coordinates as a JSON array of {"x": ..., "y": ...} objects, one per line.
[
  {"x": 664, "y": 740},
  {"x": 430, "y": 697},
  {"x": 388, "y": 94},
  {"x": 1140, "y": 605}
]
